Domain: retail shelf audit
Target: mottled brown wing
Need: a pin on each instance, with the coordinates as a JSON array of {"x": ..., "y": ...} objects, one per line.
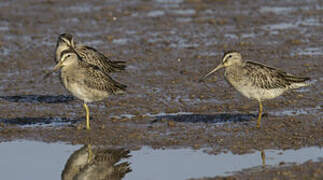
[
  {"x": 94, "y": 57},
  {"x": 266, "y": 77},
  {"x": 99, "y": 80}
]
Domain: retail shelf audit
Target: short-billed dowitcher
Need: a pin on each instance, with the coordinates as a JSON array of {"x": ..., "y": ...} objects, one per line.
[
  {"x": 85, "y": 81},
  {"x": 257, "y": 81},
  {"x": 88, "y": 54},
  {"x": 97, "y": 163}
]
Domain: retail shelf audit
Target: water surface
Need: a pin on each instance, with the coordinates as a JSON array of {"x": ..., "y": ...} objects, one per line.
[{"x": 39, "y": 160}]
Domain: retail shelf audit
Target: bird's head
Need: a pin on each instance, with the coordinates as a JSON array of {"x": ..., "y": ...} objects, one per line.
[
  {"x": 65, "y": 38},
  {"x": 68, "y": 57},
  {"x": 229, "y": 58},
  {"x": 64, "y": 42}
]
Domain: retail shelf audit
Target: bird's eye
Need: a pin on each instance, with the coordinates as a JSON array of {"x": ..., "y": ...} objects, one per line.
[
  {"x": 67, "y": 56},
  {"x": 230, "y": 56}
]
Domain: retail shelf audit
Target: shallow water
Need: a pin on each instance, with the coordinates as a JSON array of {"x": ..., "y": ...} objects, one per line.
[
  {"x": 310, "y": 51},
  {"x": 39, "y": 160},
  {"x": 33, "y": 160}
]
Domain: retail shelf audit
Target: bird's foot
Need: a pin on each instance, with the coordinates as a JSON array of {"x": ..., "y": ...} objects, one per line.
[{"x": 81, "y": 126}]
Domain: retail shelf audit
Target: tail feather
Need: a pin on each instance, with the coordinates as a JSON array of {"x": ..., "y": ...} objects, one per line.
[
  {"x": 297, "y": 82},
  {"x": 118, "y": 65},
  {"x": 295, "y": 79},
  {"x": 122, "y": 169},
  {"x": 119, "y": 88}
]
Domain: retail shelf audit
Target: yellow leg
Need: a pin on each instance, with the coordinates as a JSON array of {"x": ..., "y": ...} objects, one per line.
[
  {"x": 90, "y": 153},
  {"x": 87, "y": 116},
  {"x": 259, "y": 115}
]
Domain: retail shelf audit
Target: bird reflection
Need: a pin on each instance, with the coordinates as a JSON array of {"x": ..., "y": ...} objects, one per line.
[
  {"x": 90, "y": 163},
  {"x": 263, "y": 158}
]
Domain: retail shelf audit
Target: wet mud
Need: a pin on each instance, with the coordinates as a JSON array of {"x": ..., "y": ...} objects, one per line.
[
  {"x": 168, "y": 45},
  {"x": 308, "y": 170}
]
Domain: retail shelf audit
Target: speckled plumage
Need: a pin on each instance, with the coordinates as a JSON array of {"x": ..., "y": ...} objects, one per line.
[
  {"x": 255, "y": 80},
  {"x": 88, "y": 54},
  {"x": 96, "y": 163},
  {"x": 261, "y": 82},
  {"x": 268, "y": 77},
  {"x": 85, "y": 81},
  {"x": 94, "y": 57}
]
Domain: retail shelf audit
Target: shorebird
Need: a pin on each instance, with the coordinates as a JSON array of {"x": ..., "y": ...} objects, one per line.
[
  {"x": 85, "y": 81},
  {"x": 88, "y": 54},
  {"x": 97, "y": 163},
  {"x": 255, "y": 80}
]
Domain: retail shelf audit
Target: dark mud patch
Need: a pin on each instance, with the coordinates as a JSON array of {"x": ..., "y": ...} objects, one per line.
[
  {"x": 207, "y": 118},
  {"x": 38, "y": 98},
  {"x": 40, "y": 121},
  {"x": 308, "y": 170}
]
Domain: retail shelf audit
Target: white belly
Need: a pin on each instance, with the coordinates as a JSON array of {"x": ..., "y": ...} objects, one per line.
[
  {"x": 83, "y": 92},
  {"x": 87, "y": 94},
  {"x": 259, "y": 93},
  {"x": 246, "y": 88}
]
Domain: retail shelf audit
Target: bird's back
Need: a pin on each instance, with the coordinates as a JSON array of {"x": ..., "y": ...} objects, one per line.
[
  {"x": 266, "y": 77},
  {"x": 94, "y": 57},
  {"x": 258, "y": 81},
  {"x": 89, "y": 83}
]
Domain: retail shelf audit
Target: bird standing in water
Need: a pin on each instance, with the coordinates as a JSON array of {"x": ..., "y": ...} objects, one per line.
[
  {"x": 257, "y": 81},
  {"x": 85, "y": 81}
]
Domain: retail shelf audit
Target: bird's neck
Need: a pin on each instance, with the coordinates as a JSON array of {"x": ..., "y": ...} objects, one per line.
[
  {"x": 237, "y": 65},
  {"x": 234, "y": 69}
]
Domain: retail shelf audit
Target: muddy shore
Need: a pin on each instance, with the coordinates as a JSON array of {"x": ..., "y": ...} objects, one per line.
[{"x": 168, "y": 46}]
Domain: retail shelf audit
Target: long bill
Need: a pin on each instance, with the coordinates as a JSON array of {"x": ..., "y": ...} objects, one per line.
[
  {"x": 58, "y": 66},
  {"x": 211, "y": 72},
  {"x": 60, "y": 63}
]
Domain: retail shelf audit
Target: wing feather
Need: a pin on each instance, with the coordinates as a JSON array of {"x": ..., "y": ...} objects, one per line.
[
  {"x": 99, "y": 80},
  {"x": 270, "y": 78},
  {"x": 94, "y": 57}
]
